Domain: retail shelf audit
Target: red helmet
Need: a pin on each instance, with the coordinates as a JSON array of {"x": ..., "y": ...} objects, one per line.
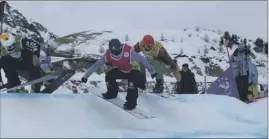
[{"x": 148, "y": 40}]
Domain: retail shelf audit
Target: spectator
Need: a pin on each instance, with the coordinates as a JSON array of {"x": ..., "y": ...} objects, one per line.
[
  {"x": 241, "y": 64},
  {"x": 188, "y": 83}
]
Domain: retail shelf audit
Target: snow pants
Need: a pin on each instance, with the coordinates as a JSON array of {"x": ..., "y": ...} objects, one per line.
[
  {"x": 242, "y": 86},
  {"x": 11, "y": 66},
  {"x": 134, "y": 81}
]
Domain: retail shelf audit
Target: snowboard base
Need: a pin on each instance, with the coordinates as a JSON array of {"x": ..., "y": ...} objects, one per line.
[{"x": 138, "y": 113}]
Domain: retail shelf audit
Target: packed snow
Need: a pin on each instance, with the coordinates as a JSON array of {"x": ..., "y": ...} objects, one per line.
[{"x": 85, "y": 115}]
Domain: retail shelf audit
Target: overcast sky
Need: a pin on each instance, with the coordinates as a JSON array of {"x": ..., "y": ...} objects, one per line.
[{"x": 247, "y": 18}]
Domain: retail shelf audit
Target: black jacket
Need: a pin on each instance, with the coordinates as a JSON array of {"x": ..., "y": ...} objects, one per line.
[{"x": 188, "y": 83}]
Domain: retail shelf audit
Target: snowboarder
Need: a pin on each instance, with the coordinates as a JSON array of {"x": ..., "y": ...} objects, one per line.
[
  {"x": 159, "y": 57},
  {"x": 19, "y": 53},
  {"x": 45, "y": 60},
  {"x": 126, "y": 65}
]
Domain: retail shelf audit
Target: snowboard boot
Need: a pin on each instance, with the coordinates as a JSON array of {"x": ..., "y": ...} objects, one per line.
[
  {"x": 131, "y": 97},
  {"x": 158, "y": 86},
  {"x": 112, "y": 91}
]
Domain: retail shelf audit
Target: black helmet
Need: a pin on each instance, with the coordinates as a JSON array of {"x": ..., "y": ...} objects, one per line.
[{"x": 115, "y": 46}]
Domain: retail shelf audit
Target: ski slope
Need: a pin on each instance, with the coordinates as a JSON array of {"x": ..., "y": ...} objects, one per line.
[{"x": 85, "y": 115}]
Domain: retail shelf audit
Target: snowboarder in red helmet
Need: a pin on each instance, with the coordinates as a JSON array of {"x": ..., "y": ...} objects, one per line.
[{"x": 159, "y": 57}]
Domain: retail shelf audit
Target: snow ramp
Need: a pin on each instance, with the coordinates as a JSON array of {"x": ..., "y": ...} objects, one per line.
[{"x": 88, "y": 116}]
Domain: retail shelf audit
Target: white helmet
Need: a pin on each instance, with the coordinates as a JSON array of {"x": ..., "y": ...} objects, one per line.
[
  {"x": 52, "y": 45},
  {"x": 8, "y": 41}
]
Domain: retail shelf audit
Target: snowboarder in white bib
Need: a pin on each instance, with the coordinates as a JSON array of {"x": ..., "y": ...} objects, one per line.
[
  {"x": 126, "y": 65},
  {"x": 20, "y": 53}
]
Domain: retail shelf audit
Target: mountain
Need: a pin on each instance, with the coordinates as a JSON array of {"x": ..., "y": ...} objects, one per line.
[
  {"x": 200, "y": 48},
  {"x": 18, "y": 24}
]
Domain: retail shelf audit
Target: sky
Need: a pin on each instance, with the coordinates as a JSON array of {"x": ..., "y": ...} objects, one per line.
[{"x": 246, "y": 18}]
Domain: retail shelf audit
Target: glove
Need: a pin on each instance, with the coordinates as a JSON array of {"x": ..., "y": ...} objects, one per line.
[
  {"x": 84, "y": 80},
  {"x": 153, "y": 75}
]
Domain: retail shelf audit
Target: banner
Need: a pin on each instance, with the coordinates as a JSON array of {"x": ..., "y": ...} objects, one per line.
[{"x": 224, "y": 85}]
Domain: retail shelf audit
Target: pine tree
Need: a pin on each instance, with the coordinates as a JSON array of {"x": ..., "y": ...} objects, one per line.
[
  {"x": 162, "y": 37},
  {"x": 126, "y": 38},
  {"x": 205, "y": 50},
  {"x": 181, "y": 51}
]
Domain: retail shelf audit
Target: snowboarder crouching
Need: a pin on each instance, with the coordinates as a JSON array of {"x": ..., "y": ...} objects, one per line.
[
  {"x": 126, "y": 65},
  {"x": 20, "y": 53},
  {"x": 159, "y": 57}
]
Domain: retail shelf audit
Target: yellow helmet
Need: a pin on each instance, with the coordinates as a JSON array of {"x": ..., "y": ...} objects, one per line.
[{"x": 7, "y": 41}]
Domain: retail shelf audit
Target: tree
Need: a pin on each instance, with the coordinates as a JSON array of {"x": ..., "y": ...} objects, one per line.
[
  {"x": 227, "y": 35},
  {"x": 162, "y": 37},
  {"x": 101, "y": 49},
  {"x": 126, "y": 37},
  {"x": 245, "y": 41},
  {"x": 205, "y": 50},
  {"x": 181, "y": 51},
  {"x": 189, "y": 35},
  {"x": 206, "y": 38},
  {"x": 221, "y": 50},
  {"x": 266, "y": 48},
  {"x": 259, "y": 43},
  {"x": 221, "y": 42},
  {"x": 197, "y": 28}
]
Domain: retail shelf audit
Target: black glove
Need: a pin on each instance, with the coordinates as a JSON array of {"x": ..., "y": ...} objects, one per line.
[
  {"x": 153, "y": 75},
  {"x": 84, "y": 80}
]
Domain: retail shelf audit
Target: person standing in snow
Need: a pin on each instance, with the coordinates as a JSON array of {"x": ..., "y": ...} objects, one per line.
[
  {"x": 126, "y": 64},
  {"x": 159, "y": 57},
  {"x": 188, "y": 82},
  {"x": 19, "y": 53},
  {"x": 241, "y": 65}
]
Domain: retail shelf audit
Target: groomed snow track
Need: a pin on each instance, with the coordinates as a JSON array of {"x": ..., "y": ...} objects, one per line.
[{"x": 85, "y": 115}]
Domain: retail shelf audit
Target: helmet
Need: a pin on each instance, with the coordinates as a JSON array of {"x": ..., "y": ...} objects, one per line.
[
  {"x": 148, "y": 41},
  {"x": 241, "y": 47},
  {"x": 115, "y": 47},
  {"x": 8, "y": 41},
  {"x": 52, "y": 45}
]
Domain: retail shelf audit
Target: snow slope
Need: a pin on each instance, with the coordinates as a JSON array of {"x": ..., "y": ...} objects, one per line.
[
  {"x": 85, "y": 115},
  {"x": 189, "y": 41}
]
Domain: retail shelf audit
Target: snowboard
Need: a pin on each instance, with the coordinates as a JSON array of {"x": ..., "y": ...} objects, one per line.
[
  {"x": 164, "y": 95},
  {"x": 56, "y": 83},
  {"x": 138, "y": 113},
  {"x": 39, "y": 80},
  {"x": 255, "y": 100}
]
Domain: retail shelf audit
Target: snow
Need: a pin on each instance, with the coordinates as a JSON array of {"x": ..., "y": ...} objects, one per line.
[
  {"x": 190, "y": 46},
  {"x": 87, "y": 116}
]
